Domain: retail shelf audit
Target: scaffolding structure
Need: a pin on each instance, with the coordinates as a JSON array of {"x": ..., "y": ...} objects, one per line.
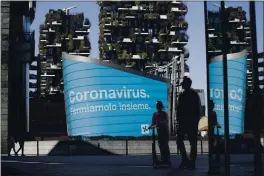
[{"x": 174, "y": 72}]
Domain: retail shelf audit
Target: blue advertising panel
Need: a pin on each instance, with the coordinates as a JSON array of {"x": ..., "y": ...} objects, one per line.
[
  {"x": 107, "y": 99},
  {"x": 237, "y": 70}
]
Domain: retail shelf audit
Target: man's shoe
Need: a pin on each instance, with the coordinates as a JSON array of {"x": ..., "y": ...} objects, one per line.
[
  {"x": 183, "y": 165},
  {"x": 191, "y": 165}
]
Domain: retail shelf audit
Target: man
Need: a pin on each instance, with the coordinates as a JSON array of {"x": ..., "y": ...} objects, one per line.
[{"x": 188, "y": 115}]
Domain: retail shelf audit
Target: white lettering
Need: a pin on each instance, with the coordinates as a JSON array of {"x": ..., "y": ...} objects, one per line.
[{"x": 72, "y": 99}]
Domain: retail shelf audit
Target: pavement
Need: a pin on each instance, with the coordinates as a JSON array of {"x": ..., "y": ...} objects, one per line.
[{"x": 139, "y": 165}]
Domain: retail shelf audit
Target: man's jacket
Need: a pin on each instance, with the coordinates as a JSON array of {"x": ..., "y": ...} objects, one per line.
[{"x": 189, "y": 107}]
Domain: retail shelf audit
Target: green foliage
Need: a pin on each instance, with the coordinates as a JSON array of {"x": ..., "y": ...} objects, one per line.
[
  {"x": 70, "y": 45},
  {"x": 43, "y": 51},
  {"x": 70, "y": 36}
]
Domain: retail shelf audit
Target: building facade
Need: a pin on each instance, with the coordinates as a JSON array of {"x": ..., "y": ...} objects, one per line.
[
  {"x": 238, "y": 36},
  {"x": 17, "y": 51},
  {"x": 148, "y": 36},
  {"x": 61, "y": 32},
  {"x": 142, "y": 35}
]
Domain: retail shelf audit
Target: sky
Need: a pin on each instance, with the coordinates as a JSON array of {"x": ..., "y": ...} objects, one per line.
[{"x": 194, "y": 17}]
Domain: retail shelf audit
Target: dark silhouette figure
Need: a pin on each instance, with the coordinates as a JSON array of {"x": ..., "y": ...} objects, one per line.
[
  {"x": 11, "y": 144},
  {"x": 160, "y": 119},
  {"x": 20, "y": 138},
  {"x": 212, "y": 117},
  {"x": 188, "y": 116}
]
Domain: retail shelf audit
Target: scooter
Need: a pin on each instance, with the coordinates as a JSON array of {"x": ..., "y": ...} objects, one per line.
[{"x": 156, "y": 163}]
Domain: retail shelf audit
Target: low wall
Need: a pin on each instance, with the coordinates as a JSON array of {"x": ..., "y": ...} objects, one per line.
[
  {"x": 99, "y": 147},
  {"x": 103, "y": 147}
]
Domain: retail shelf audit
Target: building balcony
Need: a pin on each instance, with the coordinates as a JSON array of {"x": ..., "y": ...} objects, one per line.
[
  {"x": 141, "y": 33},
  {"x": 56, "y": 45},
  {"x": 55, "y": 23},
  {"x": 176, "y": 9},
  {"x": 77, "y": 38},
  {"x": 170, "y": 49},
  {"x": 32, "y": 85},
  {"x": 31, "y": 76},
  {"x": 127, "y": 40},
  {"x": 83, "y": 30},
  {"x": 43, "y": 40},
  {"x": 122, "y": 9},
  {"x": 79, "y": 53},
  {"x": 238, "y": 43},
  {"x": 52, "y": 67},
  {"x": 212, "y": 36},
  {"x": 236, "y": 20},
  {"x": 210, "y": 29},
  {"x": 179, "y": 42},
  {"x": 152, "y": 41},
  {"x": 47, "y": 75},
  {"x": 176, "y": 2},
  {"x": 137, "y": 8},
  {"x": 163, "y": 17}
]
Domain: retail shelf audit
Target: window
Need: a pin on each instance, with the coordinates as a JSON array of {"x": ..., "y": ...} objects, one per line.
[
  {"x": 135, "y": 22},
  {"x": 150, "y": 31}
]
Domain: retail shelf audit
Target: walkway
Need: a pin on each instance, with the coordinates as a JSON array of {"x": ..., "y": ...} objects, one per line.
[{"x": 111, "y": 165}]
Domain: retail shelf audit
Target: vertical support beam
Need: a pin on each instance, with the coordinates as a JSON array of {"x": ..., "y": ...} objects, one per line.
[
  {"x": 27, "y": 96},
  {"x": 182, "y": 66},
  {"x": 256, "y": 90},
  {"x": 225, "y": 84},
  {"x": 167, "y": 72},
  {"x": 174, "y": 99},
  {"x": 210, "y": 131}
]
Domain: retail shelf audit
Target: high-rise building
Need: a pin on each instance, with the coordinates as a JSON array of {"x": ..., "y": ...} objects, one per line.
[
  {"x": 17, "y": 51},
  {"x": 261, "y": 71},
  {"x": 142, "y": 35},
  {"x": 239, "y": 37},
  {"x": 61, "y": 32}
]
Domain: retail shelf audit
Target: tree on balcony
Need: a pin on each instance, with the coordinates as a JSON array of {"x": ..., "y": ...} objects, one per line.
[
  {"x": 184, "y": 24},
  {"x": 184, "y": 9},
  {"x": 58, "y": 38},
  {"x": 116, "y": 48},
  {"x": 143, "y": 55},
  {"x": 42, "y": 27},
  {"x": 41, "y": 37},
  {"x": 211, "y": 46},
  {"x": 172, "y": 17},
  {"x": 70, "y": 45},
  {"x": 125, "y": 55},
  {"x": 137, "y": 2},
  {"x": 86, "y": 21},
  {"x": 43, "y": 51},
  {"x": 149, "y": 38},
  {"x": 86, "y": 42},
  {"x": 102, "y": 14},
  {"x": 41, "y": 45},
  {"x": 174, "y": 38},
  {"x": 151, "y": 16}
]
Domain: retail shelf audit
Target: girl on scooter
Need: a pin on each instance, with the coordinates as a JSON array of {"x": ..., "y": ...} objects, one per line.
[{"x": 160, "y": 120}]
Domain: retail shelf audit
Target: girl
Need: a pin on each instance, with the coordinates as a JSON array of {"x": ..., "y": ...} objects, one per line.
[{"x": 160, "y": 119}]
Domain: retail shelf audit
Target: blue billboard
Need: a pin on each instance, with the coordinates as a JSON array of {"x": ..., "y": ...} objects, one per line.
[
  {"x": 237, "y": 70},
  {"x": 107, "y": 99}
]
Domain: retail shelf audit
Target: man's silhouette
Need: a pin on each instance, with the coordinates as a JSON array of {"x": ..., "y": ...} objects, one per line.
[{"x": 188, "y": 115}]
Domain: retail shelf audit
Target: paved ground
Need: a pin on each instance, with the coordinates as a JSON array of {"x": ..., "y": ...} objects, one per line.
[{"x": 110, "y": 165}]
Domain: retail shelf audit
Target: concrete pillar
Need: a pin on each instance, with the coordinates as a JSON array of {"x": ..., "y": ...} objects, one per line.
[{"x": 5, "y": 13}]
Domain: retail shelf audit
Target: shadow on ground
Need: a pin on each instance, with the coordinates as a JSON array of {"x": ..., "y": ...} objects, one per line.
[{"x": 74, "y": 147}]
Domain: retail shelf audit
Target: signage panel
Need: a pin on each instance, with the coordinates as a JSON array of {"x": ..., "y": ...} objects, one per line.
[
  {"x": 237, "y": 70},
  {"x": 107, "y": 99}
]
